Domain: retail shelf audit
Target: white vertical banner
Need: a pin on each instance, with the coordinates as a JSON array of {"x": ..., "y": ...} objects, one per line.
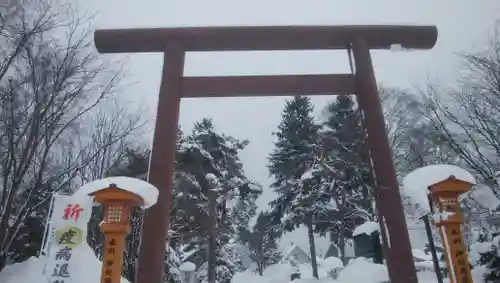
[
  {"x": 46, "y": 234},
  {"x": 67, "y": 233}
]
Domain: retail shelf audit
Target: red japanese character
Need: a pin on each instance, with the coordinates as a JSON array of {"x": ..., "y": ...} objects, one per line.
[{"x": 72, "y": 212}]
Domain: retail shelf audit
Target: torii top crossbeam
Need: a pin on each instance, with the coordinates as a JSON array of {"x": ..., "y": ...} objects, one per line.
[{"x": 263, "y": 38}]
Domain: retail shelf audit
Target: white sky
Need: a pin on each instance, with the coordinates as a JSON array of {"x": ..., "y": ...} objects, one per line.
[{"x": 462, "y": 24}]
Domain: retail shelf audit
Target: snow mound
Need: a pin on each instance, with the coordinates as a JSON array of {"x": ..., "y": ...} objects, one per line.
[
  {"x": 306, "y": 271},
  {"x": 187, "y": 266},
  {"x": 145, "y": 190},
  {"x": 416, "y": 183},
  {"x": 420, "y": 254},
  {"x": 476, "y": 249},
  {"x": 314, "y": 280},
  {"x": 363, "y": 270},
  {"x": 249, "y": 276},
  {"x": 478, "y": 274},
  {"x": 279, "y": 269},
  {"x": 331, "y": 263},
  {"x": 366, "y": 228},
  {"x": 31, "y": 270}
]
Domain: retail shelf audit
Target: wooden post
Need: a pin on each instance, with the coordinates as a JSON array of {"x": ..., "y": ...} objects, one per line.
[
  {"x": 445, "y": 197},
  {"x": 397, "y": 245},
  {"x": 432, "y": 247},
  {"x": 113, "y": 258},
  {"x": 212, "y": 245},
  {"x": 161, "y": 169}
]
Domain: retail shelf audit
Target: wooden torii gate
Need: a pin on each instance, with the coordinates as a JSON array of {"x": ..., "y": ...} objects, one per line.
[{"x": 175, "y": 42}]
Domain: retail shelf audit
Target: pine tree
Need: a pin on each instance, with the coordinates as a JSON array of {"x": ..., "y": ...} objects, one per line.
[
  {"x": 204, "y": 152},
  {"x": 292, "y": 163},
  {"x": 345, "y": 167},
  {"x": 262, "y": 243},
  {"x": 172, "y": 263}
]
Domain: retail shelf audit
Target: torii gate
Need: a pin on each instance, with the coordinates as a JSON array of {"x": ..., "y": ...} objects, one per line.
[{"x": 175, "y": 42}]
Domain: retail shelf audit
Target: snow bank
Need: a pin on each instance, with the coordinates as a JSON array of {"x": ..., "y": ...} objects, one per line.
[
  {"x": 430, "y": 277},
  {"x": 359, "y": 270},
  {"x": 306, "y": 271},
  {"x": 331, "y": 263},
  {"x": 416, "y": 183},
  {"x": 145, "y": 190},
  {"x": 31, "y": 270},
  {"x": 366, "y": 228},
  {"x": 478, "y": 274},
  {"x": 424, "y": 262},
  {"x": 314, "y": 280},
  {"x": 280, "y": 269},
  {"x": 421, "y": 255},
  {"x": 363, "y": 270}
]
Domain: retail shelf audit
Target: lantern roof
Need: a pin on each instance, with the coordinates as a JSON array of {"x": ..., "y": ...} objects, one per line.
[
  {"x": 451, "y": 185},
  {"x": 119, "y": 185}
]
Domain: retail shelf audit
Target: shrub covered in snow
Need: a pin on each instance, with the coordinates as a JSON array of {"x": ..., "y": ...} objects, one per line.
[
  {"x": 332, "y": 266},
  {"x": 491, "y": 261}
]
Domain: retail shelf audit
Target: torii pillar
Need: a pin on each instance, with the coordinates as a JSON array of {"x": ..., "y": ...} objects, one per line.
[{"x": 175, "y": 42}]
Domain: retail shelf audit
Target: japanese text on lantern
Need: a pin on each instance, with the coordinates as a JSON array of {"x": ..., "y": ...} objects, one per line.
[
  {"x": 462, "y": 264},
  {"x": 109, "y": 256}
]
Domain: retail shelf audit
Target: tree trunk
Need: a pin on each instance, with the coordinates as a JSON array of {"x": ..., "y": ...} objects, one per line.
[
  {"x": 3, "y": 260},
  {"x": 342, "y": 228},
  {"x": 261, "y": 260},
  {"x": 260, "y": 268},
  {"x": 212, "y": 247},
  {"x": 342, "y": 247},
  {"x": 312, "y": 246}
]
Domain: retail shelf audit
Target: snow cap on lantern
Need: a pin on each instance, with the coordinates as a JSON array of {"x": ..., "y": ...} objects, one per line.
[
  {"x": 417, "y": 183},
  {"x": 119, "y": 195},
  {"x": 147, "y": 192}
]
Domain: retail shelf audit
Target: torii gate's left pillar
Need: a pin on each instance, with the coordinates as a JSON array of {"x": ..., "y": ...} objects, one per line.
[{"x": 162, "y": 163}]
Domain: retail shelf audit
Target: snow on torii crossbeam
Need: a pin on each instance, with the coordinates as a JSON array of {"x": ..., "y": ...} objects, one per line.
[{"x": 174, "y": 42}]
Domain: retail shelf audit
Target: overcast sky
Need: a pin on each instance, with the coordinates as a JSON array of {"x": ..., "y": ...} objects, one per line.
[{"x": 462, "y": 25}]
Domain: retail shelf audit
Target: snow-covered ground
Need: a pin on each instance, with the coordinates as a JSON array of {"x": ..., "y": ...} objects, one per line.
[
  {"x": 357, "y": 270},
  {"x": 31, "y": 271}
]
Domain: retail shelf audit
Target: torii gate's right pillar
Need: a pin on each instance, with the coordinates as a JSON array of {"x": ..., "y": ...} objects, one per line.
[{"x": 388, "y": 198}]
